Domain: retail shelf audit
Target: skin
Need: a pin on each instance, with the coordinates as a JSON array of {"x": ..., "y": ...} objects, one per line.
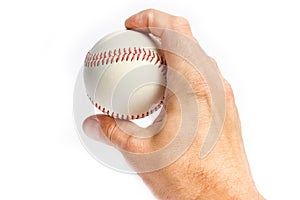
[{"x": 224, "y": 173}]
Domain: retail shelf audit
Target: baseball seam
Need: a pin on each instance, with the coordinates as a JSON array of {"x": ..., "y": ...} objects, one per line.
[
  {"x": 126, "y": 117},
  {"x": 118, "y": 55},
  {"x": 128, "y": 55}
]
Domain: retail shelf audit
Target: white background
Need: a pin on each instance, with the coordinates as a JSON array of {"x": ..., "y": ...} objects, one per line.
[{"x": 42, "y": 47}]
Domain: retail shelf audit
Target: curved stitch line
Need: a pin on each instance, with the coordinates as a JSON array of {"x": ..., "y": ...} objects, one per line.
[
  {"x": 126, "y": 117},
  {"x": 113, "y": 56}
]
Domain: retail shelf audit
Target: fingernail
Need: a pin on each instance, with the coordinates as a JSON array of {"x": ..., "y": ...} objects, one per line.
[{"x": 92, "y": 128}]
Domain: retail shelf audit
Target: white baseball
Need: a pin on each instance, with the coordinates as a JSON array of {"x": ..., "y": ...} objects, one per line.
[{"x": 125, "y": 75}]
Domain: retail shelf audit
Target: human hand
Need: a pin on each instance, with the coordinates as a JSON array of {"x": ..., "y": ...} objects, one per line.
[{"x": 224, "y": 173}]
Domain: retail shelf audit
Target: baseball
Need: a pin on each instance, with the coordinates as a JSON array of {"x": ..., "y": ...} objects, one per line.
[{"x": 125, "y": 75}]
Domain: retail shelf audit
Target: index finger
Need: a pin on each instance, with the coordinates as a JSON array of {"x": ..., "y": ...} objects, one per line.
[{"x": 157, "y": 21}]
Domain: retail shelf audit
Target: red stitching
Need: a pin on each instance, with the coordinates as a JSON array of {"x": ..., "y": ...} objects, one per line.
[
  {"x": 126, "y": 117},
  {"x": 114, "y": 56}
]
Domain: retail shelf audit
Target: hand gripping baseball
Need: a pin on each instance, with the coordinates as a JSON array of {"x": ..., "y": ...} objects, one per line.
[{"x": 166, "y": 154}]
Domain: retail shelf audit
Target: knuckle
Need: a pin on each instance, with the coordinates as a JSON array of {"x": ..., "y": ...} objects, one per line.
[
  {"x": 129, "y": 144},
  {"x": 215, "y": 64},
  {"x": 228, "y": 91},
  {"x": 133, "y": 145},
  {"x": 110, "y": 130},
  {"x": 213, "y": 61},
  {"x": 181, "y": 21},
  {"x": 150, "y": 10},
  {"x": 199, "y": 85},
  {"x": 150, "y": 14}
]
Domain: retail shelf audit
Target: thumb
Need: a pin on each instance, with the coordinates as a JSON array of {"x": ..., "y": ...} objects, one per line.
[{"x": 124, "y": 135}]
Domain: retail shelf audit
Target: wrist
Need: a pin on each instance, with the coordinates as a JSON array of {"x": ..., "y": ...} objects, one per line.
[
  {"x": 228, "y": 190},
  {"x": 213, "y": 187}
]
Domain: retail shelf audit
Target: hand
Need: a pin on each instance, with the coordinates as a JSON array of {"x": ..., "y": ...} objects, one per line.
[{"x": 224, "y": 173}]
